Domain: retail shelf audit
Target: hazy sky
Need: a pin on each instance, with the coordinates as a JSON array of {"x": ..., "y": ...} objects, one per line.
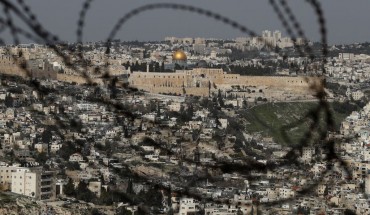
[{"x": 347, "y": 20}]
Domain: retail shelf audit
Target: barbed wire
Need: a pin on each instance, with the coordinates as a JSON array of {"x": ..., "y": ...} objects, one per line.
[{"x": 39, "y": 34}]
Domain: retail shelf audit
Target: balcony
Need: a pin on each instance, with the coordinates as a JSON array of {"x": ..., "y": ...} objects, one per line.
[
  {"x": 43, "y": 186},
  {"x": 46, "y": 179},
  {"x": 46, "y": 192}
]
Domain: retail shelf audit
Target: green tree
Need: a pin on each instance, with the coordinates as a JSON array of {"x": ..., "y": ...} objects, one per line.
[
  {"x": 190, "y": 112},
  {"x": 154, "y": 197},
  {"x": 162, "y": 67},
  {"x": 41, "y": 157},
  {"x": 96, "y": 211},
  {"x": 130, "y": 189},
  {"x": 9, "y": 101},
  {"x": 137, "y": 64},
  {"x": 349, "y": 212},
  {"x": 105, "y": 197},
  {"x": 83, "y": 192},
  {"x": 156, "y": 67},
  {"x": 47, "y": 135},
  {"x": 124, "y": 211},
  {"x": 178, "y": 67},
  {"x": 73, "y": 166},
  {"x": 239, "y": 212},
  {"x": 67, "y": 149},
  {"x": 69, "y": 188}
]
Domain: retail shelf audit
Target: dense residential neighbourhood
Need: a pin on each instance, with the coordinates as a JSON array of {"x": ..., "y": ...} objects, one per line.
[{"x": 172, "y": 127}]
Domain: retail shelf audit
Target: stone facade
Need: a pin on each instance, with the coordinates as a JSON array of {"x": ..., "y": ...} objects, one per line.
[{"x": 203, "y": 82}]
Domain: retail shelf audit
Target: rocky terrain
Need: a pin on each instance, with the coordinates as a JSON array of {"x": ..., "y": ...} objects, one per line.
[{"x": 25, "y": 206}]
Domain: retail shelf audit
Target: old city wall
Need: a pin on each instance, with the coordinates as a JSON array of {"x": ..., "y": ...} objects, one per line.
[
  {"x": 155, "y": 79},
  {"x": 9, "y": 67},
  {"x": 204, "y": 91},
  {"x": 219, "y": 77},
  {"x": 77, "y": 79},
  {"x": 44, "y": 74},
  {"x": 197, "y": 91},
  {"x": 270, "y": 81},
  {"x": 14, "y": 70},
  {"x": 198, "y": 82},
  {"x": 195, "y": 82}
]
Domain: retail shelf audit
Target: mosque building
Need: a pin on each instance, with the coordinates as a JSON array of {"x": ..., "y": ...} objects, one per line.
[{"x": 179, "y": 61}]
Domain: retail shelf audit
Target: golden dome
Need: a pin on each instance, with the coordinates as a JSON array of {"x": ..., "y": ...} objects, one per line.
[{"x": 179, "y": 55}]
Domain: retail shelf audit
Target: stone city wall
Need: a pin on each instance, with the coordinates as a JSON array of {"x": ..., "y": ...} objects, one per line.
[
  {"x": 77, "y": 79},
  {"x": 177, "y": 90},
  {"x": 9, "y": 67},
  {"x": 199, "y": 81}
]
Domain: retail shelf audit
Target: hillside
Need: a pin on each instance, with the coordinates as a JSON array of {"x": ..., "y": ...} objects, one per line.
[{"x": 290, "y": 118}]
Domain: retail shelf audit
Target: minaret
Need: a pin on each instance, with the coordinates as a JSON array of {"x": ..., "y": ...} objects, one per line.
[{"x": 147, "y": 68}]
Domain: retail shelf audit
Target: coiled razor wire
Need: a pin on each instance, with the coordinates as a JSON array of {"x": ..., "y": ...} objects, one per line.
[{"x": 284, "y": 13}]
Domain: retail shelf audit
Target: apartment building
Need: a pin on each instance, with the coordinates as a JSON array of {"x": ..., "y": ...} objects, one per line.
[
  {"x": 6, "y": 177},
  {"x": 33, "y": 182}
]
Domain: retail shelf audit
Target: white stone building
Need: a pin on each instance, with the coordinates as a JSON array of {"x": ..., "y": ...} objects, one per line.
[
  {"x": 188, "y": 205},
  {"x": 33, "y": 182}
]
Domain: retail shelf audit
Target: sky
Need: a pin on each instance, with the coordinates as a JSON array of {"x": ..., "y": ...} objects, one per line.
[{"x": 347, "y": 21}]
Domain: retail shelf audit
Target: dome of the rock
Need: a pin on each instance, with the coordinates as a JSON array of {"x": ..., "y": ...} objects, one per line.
[{"x": 179, "y": 55}]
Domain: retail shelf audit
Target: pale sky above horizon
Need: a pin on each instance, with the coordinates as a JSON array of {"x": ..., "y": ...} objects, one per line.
[{"x": 346, "y": 20}]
